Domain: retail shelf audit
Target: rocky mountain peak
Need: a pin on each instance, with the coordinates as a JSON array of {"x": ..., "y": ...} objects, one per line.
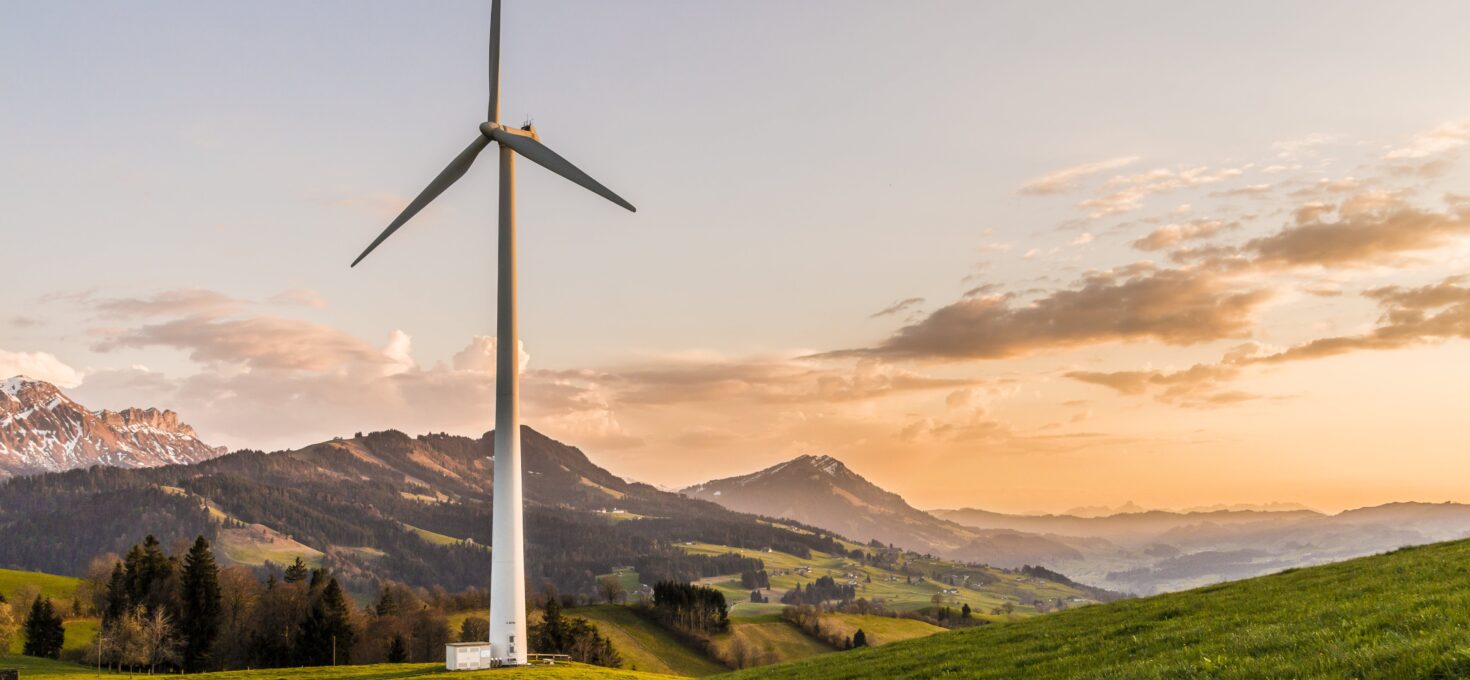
[{"x": 42, "y": 430}]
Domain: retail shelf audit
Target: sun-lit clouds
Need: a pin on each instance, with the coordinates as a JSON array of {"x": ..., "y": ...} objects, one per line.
[
  {"x": 1135, "y": 303},
  {"x": 766, "y": 380},
  {"x": 166, "y": 303},
  {"x": 259, "y": 342},
  {"x": 1410, "y": 316},
  {"x": 1294, "y": 148},
  {"x": 1431, "y": 151},
  {"x": 1127, "y": 193},
  {"x": 1199, "y": 386},
  {"x": 38, "y": 365},
  {"x": 1173, "y": 234},
  {"x": 1068, "y": 179},
  {"x": 479, "y": 355},
  {"x": 1368, "y": 228}
]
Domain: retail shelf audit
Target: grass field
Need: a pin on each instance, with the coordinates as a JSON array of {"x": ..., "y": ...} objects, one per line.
[
  {"x": 13, "y": 583},
  {"x": 56, "y": 670},
  {"x": 880, "y": 630},
  {"x": 1405, "y": 614},
  {"x": 768, "y": 640},
  {"x": 644, "y": 646},
  {"x": 627, "y": 576},
  {"x": 892, "y": 588}
]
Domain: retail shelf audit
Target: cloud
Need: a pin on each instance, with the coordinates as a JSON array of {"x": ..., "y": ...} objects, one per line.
[
  {"x": 261, "y": 342},
  {"x": 1126, "y": 193},
  {"x": 182, "y": 301},
  {"x": 1066, "y": 179},
  {"x": 1436, "y": 141},
  {"x": 1172, "y": 234},
  {"x": 38, "y": 365},
  {"x": 1409, "y": 316},
  {"x": 1293, "y": 148},
  {"x": 897, "y": 307},
  {"x": 1368, "y": 228},
  {"x": 1173, "y": 306},
  {"x": 770, "y": 381},
  {"x": 479, "y": 355},
  {"x": 1199, "y": 386}
]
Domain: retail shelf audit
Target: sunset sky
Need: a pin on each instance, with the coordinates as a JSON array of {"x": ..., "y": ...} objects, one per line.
[{"x": 1019, "y": 256}]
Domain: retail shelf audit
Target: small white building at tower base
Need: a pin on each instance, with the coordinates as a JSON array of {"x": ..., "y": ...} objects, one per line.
[{"x": 466, "y": 656}]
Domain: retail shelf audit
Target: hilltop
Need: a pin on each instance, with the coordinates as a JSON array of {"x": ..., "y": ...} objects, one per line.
[
  {"x": 1401, "y": 614},
  {"x": 821, "y": 491}
]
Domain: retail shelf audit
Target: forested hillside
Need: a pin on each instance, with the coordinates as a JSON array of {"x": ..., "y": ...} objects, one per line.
[{"x": 382, "y": 506}]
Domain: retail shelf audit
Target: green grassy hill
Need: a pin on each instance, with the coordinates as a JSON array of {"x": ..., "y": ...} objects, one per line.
[
  {"x": 16, "y": 584},
  {"x": 56, "y": 670},
  {"x": 644, "y": 646},
  {"x": 988, "y": 589},
  {"x": 12, "y": 583},
  {"x": 1402, "y": 614}
]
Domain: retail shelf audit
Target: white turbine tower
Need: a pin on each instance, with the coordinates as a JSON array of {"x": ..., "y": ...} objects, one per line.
[{"x": 507, "y": 562}]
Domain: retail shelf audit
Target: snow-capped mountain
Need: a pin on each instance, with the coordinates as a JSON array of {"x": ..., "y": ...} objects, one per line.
[{"x": 41, "y": 430}]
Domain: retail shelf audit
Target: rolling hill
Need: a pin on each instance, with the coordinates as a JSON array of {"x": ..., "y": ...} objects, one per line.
[{"x": 1400, "y": 614}]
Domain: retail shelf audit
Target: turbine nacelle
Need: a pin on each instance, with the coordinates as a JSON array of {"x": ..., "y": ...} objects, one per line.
[
  {"x": 524, "y": 142},
  {"x": 489, "y": 129}
]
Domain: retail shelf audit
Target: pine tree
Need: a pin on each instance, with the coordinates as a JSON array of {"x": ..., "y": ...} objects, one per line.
[
  {"x": 297, "y": 572},
  {"x": 117, "y": 596},
  {"x": 202, "y": 610},
  {"x": 387, "y": 604},
  {"x": 327, "y": 630},
  {"x": 397, "y": 650},
  {"x": 43, "y": 630}
]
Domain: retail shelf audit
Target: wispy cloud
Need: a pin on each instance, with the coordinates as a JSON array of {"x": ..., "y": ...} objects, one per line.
[{"x": 1068, "y": 179}]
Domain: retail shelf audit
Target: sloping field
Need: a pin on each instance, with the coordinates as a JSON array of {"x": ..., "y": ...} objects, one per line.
[
  {"x": 13, "y": 583},
  {"x": 1405, "y": 614},
  {"x": 766, "y": 640},
  {"x": 644, "y": 646},
  {"x": 880, "y": 630}
]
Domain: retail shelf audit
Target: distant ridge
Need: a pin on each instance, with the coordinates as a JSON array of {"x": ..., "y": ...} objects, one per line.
[
  {"x": 42, "y": 430},
  {"x": 821, "y": 491}
]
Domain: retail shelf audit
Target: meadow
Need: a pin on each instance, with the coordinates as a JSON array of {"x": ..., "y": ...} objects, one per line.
[{"x": 1401, "y": 614}]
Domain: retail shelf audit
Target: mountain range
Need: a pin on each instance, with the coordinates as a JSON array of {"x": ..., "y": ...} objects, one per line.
[
  {"x": 1135, "y": 550},
  {"x": 387, "y": 505},
  {"x": 42, "y": 430}
]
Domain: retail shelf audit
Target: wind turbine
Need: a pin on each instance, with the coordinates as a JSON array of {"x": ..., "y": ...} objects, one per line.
[{"x": 507, "y": 561}]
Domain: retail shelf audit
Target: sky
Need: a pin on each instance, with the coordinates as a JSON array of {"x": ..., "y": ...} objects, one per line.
[{"x": 1021, "y": 256}]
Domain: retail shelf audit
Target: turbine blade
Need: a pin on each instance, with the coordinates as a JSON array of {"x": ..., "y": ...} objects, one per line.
[
  {"x": 451, "y": 174},
  {"x": 529, "y": 146}
]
